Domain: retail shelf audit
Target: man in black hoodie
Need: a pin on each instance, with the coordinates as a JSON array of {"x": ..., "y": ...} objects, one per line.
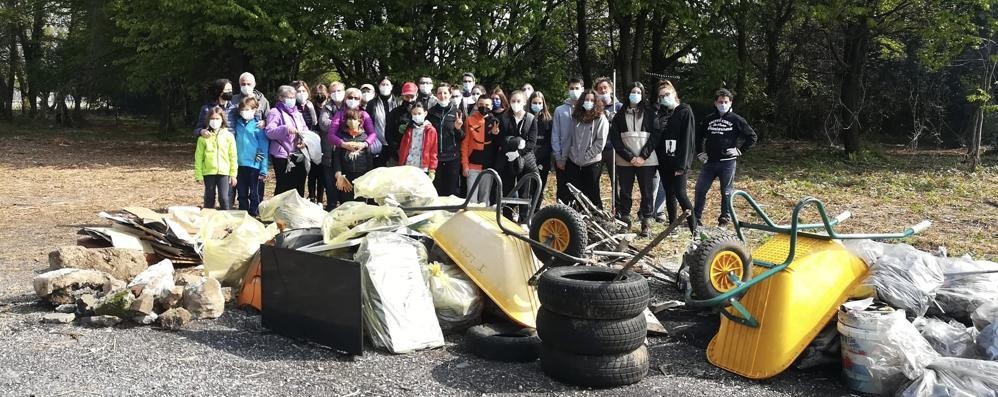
[
  {"x": 446, "y": 119},
  {"x": 717, "y": 146}
]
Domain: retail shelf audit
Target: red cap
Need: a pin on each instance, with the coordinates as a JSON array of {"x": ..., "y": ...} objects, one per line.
[{"x": 409, "y": 88}]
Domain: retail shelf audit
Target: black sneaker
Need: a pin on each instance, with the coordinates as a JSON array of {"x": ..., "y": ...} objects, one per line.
[
  {"x": 660, "y": 218},
  {"x": 644, "y": 228},
  {"x": 723, "y": 222}
]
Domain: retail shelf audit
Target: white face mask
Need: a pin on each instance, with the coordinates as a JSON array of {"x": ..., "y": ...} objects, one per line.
[
  {"x": 723, "y": 108},
  {"x": 418, "y": 118},
  {"x": 536, "y": 107},
  {"x": 247, "y": 114},
  {"x": 385, "y": 90},
  {"x": 352, "y": 103},
  {"x": 606, "y": 98},
  {"x": 301, "y": 97},
  {"x": 425, "y": 88},
  {"x": 588, "y": 105},
  {"x": 517, "y": 107},
  {"x": 668, "y": 101},
  {"x": 635, "y": 98},
  {"x": 368, "y": 96},
  {"x": 215, "y": 124},
  {"x": 456, "y": 100},
  {"x": 289, "y": 102},
  {"x": 338, "y": 96},
  {"x": 246, "y": 90},
  {"x": 468, "y": 87},
  {"x": 575, "y": 94}
]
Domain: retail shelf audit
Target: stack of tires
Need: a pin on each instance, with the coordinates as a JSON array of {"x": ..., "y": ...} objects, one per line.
[{"x": 593, "y": 329}]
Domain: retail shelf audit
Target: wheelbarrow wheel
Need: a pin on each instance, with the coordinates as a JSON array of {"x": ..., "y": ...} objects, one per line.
[
  {"x": 560, "y": 228},
  {"x": 711, "y": 263}
]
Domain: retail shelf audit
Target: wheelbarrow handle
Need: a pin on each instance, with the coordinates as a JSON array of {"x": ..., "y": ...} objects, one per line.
[{"x": 921, "y": 226}]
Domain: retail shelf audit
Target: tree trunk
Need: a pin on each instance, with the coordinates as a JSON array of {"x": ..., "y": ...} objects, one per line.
[
  {"x": 585, "y": 63},
  {"x": 637, "y": 62},
  {"x": 857, "y": 39},
  {"x": 7, "y": 111},
  {"x": 32, "y": 56},
  {"x": 657, "y": 41},
  {"x": 974, "y": 151},
  {"x": 742, "y": 49}
]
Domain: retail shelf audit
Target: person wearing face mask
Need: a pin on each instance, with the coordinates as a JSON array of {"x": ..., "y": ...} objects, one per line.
[
  {"x": 542, "y": 151},
  {"x": 398, "y": 121},
  {"x": 350, "y": 165},
  {"x": 215, "y": 161},
  {"x": 674, "y": 147},
  {"x": 468, "y": 97},
  {"x": 478, "y": 150},
  {"x": 583, "y": 146},
  {"x": 419, "y": 142},
  {"x": 518, "y": 139},
  {"x": 304, "y": 104},
  {"x": 604, "y": 91},
  {"x": 321, "y": 96},
  {"x": 378, "y": 108},
  {"x": 251, "y": 149},
  {"x": 219, "y": 95},
  {"x": 717, "y": 145},
  {"x": 284, "y": 122},
  {"x": 634, "y": 156},
  {"x": 528, "y": 90},
  {"x": 425, "y": 96},
  {"x": 499, "y": 102},
  {"x": 337, "y": 133},
  {"x": 561, "y": 129},
  {"x": 247, "y": 87},
  {"x": 446, "y": 119},
  {"x": 315, "y": 184},
  {"x": 366, "y": 95}
]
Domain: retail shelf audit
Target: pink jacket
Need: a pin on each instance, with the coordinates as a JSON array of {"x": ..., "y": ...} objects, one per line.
[
  {"x": 334, "y": 128},
  {"x": 278, "y": 119}
]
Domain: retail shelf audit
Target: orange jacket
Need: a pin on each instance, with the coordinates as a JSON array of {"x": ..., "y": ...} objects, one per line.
[{"x": 476, "y": 148}]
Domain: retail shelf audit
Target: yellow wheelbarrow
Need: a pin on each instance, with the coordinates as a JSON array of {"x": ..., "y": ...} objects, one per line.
[{"x": 776, "y": 300}]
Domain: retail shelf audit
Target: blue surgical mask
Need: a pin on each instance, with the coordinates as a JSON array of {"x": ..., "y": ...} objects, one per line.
[
  {"x": 667, "y": 101},
  {"x": 536, "y": 108},
  {"x": 634, "y": 98},
  {"x": 290, "y": 102},
  {"x": 588, "y": 105},
  {"x": 468, "y": 86},
  {"x": 496, "y": 104}
]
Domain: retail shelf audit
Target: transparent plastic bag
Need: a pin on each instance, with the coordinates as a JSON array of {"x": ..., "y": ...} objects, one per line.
[
  {"x": 987, "y": 342},
  {"x": 457, "y": 300},
  {"x": 884, "y": 347},
  {"x": 404, "y": 186},
  {"x": 948, "y": 339},
  {"x": 231, "y": 238},
  {"x": 961, "y": 294},
  {"x": 902, "y": 276},
  {"x": 354, "y": 219},
  {"x": 398, "y": 307},
  {"x": 290, "y": 211},
  {"x": 985, "y": 314},
  {"x": 959, "y": 377}
]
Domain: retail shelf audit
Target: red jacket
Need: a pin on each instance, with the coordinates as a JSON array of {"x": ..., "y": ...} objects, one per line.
[{"x": 429, "y": 159}]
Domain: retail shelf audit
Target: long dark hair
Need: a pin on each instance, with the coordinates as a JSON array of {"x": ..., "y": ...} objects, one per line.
[
  {"x": 215, "y": 89},
  {"x": 588, "y": 116},
  {"x": 544, "y": 115},
  {"x": 503, "y": 101}
]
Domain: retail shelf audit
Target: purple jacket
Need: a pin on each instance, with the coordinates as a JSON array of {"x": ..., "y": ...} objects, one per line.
[
  {"x": 278, "y": 119},
  {"x": 366, "y": 122}
]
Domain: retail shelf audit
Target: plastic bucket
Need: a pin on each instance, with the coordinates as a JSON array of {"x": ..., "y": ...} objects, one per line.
[{"x": 861, "y": 347}]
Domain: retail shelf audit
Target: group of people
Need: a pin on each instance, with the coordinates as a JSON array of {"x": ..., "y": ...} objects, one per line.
[{"x": 319, "y": 141}]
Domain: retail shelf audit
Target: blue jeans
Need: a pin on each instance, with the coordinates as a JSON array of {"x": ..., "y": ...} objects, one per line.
[
  {"x": 248, "y": 187},
  {"x": 723, "y": 171}
]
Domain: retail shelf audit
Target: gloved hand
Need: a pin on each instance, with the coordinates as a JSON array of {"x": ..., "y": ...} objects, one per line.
[
  {"x": 733, "y": 152},
  {"x": 259, "y": 157},
  {"x": 433, "y": 175},
  {"x": 522, "y": 145},
  {"x": 510, "y": 156},
  {"x": 702, "y": 157}
]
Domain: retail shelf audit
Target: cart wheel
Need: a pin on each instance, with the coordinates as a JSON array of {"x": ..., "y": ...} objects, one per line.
[
  {"x": 562, "y": 229},
  {"x": 712, "y": 262}
]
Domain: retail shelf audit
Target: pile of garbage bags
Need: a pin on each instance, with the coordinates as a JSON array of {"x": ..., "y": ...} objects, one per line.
[{"x": 928, "y": 327}]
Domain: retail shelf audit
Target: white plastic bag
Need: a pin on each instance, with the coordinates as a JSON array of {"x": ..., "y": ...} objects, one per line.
[
  {"x": 987, "y": 342},
  {"x": 962, "y": 293},
  {"x": 313, "y": 146},
  {"x": 231, "y": 238},
  {"x": 404, "y": 186},
  {"x": 955, "y": 377},
  {"x": 902, "y": 276},
  {"x": 290, "y": 211},
  {"x": 948, "y": 339},
  {"x": 985, "y": 314},
  {"x": 882, "y": 347},
  {"x": 157, "y": 279},
  {"x": 354, "y": 218},
  {"x": 457, "y": 300},
  {"x": 398, "y": 308}
]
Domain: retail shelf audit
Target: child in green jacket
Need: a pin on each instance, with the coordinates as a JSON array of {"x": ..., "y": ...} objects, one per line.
[{"x": 215, "y": 161}]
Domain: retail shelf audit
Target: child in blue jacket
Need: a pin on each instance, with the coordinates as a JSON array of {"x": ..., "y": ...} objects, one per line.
[{"x": 251, "y": 147}]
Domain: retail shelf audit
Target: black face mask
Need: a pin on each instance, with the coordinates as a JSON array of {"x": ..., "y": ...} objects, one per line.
[
  {"x": 320, "y": 98},
  {"x": 483, "y": 110},
  {"x": 226, "y": 96}
]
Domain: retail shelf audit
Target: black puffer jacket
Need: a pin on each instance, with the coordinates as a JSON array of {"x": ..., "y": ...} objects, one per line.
[{"x": 448, "y": 138}]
